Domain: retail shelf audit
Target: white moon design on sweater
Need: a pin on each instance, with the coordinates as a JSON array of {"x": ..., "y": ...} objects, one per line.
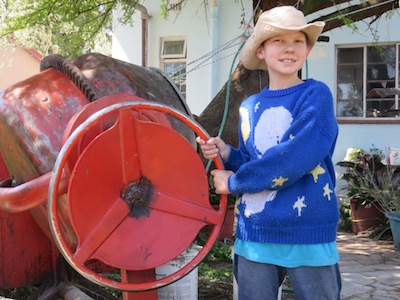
[
  {"x": 255, "y": 202},
  {"x": 272, "y": 125},
  {"x": 268, "y": 132}
]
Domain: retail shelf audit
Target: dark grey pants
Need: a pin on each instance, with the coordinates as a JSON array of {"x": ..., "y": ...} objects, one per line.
[{"x": 258, "y": 281}]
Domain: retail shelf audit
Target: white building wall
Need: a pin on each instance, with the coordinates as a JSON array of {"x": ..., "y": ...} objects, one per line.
[
  {"x": 127, "y": 40},
  {"x": 194, "y": 23}
]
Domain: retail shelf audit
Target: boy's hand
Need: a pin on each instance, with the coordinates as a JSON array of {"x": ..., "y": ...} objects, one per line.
[
  {"x": 221, "y": 181},
  {"x": 212, "y": 147}
]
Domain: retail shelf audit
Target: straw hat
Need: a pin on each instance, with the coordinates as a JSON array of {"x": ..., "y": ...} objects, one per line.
[{"x": 276, "y": 21}]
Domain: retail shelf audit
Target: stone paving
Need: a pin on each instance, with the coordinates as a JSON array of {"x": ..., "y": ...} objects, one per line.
[{"x": 370, "y": 268}]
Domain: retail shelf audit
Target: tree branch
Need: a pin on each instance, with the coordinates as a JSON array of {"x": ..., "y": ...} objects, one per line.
[{"x": 357, "y": 13}]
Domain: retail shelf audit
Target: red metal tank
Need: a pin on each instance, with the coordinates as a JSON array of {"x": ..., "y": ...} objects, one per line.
[{"x": 33, "y": 117}]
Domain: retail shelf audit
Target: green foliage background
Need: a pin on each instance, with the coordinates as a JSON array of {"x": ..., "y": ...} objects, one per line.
[{"x": 68, "y": 28}]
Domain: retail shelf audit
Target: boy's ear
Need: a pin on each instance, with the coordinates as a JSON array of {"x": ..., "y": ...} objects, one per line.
[
  {"x": 308, "y": 50},
  {"x": 260, "y": 52}
]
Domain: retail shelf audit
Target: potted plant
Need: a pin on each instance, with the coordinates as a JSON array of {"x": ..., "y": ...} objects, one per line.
[
  {"x": 378, "y": 183},
  {"x": 382, "y": 182},
  {"x": 365, "y": 210}
]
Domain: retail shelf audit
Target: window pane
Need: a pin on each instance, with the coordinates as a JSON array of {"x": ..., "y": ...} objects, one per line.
[
  {"x": 349, "y": 91},
  {"x": 350, "y": 73},
  {"x": 381, "y": 66},
  {"x": 381, "y": 72},
  {"x": 350, "y": 55},
  {"x": 175, "y": 69},
  {"x": 381, "y": 53},
  {"x": 379, "y": 108},
  {"x": 350, "y": 108},
  {"x": 177, "y": 72},
  {"x": 173, "y": 47}
]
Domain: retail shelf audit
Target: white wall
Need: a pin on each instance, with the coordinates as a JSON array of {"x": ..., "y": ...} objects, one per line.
[
  {"x": 126, "y": 40},
  {"x": 195, "y": 23}
]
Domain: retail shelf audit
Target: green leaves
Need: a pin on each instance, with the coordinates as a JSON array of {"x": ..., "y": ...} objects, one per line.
[
  {"x": 69, "y": 28},
  {"x": 369, "y": 180}
]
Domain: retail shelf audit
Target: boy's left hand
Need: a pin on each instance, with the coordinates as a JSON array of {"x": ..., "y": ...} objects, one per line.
[{"x": 221, "y": 181}]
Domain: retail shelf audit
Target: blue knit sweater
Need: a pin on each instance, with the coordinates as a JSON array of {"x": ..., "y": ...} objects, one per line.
[{"x": 283, "y": 168}]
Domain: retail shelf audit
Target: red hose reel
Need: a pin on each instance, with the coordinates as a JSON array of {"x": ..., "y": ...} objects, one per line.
[{"x": 137, "y": 193}]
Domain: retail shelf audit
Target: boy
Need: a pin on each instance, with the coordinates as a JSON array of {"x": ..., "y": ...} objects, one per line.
[{"x": 283, "y": 170}]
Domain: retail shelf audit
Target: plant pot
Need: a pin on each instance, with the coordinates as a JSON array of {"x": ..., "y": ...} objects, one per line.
[
  {"x": 365, "y": 217},
  {"x": 394, "y": 220},
  {"x": 228, "y": 229}
]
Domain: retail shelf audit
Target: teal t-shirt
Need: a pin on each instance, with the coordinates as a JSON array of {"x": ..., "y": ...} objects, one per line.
[{"x": 288, "y": 256}]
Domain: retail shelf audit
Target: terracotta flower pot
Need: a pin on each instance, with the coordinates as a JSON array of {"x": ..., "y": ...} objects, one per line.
[
  {"x": 365, "y": 217},
  {"x": 228, "y": 228}
]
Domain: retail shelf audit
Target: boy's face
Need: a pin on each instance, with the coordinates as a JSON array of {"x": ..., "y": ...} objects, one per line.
[{"x": 285, "y": 54}]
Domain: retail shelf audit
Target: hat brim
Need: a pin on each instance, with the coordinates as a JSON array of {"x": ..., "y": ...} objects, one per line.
[{"x": 248, "y": 55}]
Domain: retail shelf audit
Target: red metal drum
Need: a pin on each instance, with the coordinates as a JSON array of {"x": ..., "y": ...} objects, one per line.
[
  {"x": 34, "y": 113},
  {"x": 94, "y": 211}
]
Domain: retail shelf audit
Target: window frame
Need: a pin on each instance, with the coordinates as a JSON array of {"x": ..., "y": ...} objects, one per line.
[
  {"x": 177, "y": 58},
  {"x": 364, "y": 119},
  {"x": 165, "y": 40}
]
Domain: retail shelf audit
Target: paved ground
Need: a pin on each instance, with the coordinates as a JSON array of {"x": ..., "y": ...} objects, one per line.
[{"x": 370, "y": 268}]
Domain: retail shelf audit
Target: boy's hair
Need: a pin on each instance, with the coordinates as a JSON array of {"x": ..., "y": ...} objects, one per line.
[{"x": 273, "y": 22}]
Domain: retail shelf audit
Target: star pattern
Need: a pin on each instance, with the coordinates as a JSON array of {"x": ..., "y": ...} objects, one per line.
[
  {"x": 318, "y": 170},
  {"x": 327, "y": 191},
  {"x": 279, "y": 181},
  {"x": 299, "y": 205}
]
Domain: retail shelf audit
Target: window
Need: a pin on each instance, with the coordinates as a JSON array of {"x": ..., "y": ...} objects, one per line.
[
  {"x": 173, "y": 57},
  {"x": 368, "y": 81}
]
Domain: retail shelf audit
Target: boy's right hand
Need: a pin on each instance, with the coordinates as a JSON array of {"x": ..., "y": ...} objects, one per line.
[{"x": 212, "y": 147}]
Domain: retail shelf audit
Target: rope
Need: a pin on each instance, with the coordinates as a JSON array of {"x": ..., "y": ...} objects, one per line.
[
  {"x": 178, "y": 75},
  {"x": 204, "y": 65}
]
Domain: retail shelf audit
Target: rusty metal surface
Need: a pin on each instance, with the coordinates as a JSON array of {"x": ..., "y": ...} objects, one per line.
[
  {"x": 33, "y": 116},
  {"x": 66, "y": 67}
]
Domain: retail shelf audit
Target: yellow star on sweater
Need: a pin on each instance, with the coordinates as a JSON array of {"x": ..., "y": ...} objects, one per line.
[
  {"x": 318, "y": 170},
  {"x": 279, "y": 181},
  {"x": 327, "y": 191}
]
